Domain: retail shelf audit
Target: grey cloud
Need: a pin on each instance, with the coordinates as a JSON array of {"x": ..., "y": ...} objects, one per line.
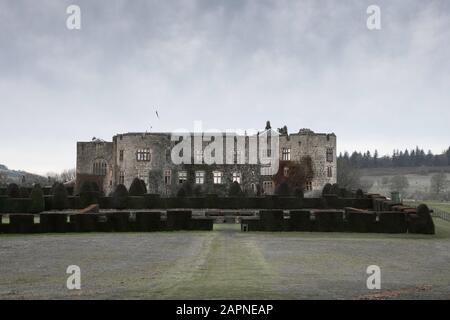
[{"x": 231, "y": 64}]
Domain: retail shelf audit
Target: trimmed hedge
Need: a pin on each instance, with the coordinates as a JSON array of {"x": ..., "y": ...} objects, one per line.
[
  {"x": 21, "y": 223},
  {"x": 60, "y": 199},
  {"x": 13, "y": 190},
  {"x": 137, "y": 203},
  {"x": 120, "y": 197},
  {"x": 300, "y": 220},
  {"x": 89, "y": 194},
  {"x": 37, "y": 200},
  {"x": 84, "y": 222},
  {"x": 53, "y": 222},
  {"x": 137, "y": 188},
  {"x": 421, "y": 222},
  {"x": 121, "y": 200},
  {"x": 104, "y": 222},
  {"x": 271, "y": 220},
  {"x": 178, "y": 220},
  {"x": 329, "y": 221},
  {"x": 3, "y": 203},
  {"x": 360, "y": 221},
  {"x": 250, "y": 224},
  {"x": 16, "y": 205},
  {"x": 392, "y": 222},
  {"x": 120, "y": 221},
  {"x": 202, "y": 224},
  {"x": 148, "y": 221}
]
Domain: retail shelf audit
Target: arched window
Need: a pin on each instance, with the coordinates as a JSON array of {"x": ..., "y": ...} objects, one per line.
[{"x": 100, "y": 167}]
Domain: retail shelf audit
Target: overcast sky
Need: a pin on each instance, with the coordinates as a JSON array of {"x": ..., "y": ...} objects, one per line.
[{"x": 230, "y": 63}]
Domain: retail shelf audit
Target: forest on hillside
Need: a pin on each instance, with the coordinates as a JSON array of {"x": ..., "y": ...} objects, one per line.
[
  {"x": 354, "y": 172},
  {"x": 407, "y": 158}
]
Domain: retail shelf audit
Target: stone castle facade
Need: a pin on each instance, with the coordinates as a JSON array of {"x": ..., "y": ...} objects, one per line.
[{"x": 148, "y": 156}]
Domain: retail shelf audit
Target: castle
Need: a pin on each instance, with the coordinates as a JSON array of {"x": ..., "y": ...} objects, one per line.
[{"x": 306, "y": 157}]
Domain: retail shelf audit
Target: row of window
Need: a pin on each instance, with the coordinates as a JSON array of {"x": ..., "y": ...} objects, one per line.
[
  {"x": 217, "y": 179},
  {"x": 145, "y": 155},
  {"x": 200, "y": 177}
]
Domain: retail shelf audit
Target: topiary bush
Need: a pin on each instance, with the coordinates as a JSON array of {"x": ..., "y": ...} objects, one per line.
[
  {"x": 89, "y": 194},
  {"x": 144, "y": 186},
  {"x": 282, "y": 189},
  {"x": 235, "y": 190},
  {"x": 13, "y": 191},
  {"x": 24, "y": 193},
  {"x": 60, "y": 200},
  {"x": 423, "y": 223},
  {"x": 94, "y": 187},
  {"x": 298, "y": 192},
  {"x": 136, "y": 188},
  {"x": 120, "y": 197},
  {"x": 335, "y": 189},
  {"x": 359, "y": 193},
  {"x": 37, "y": 200},
  {"x": 185, "y": 190},
  {"x": 326, "y": 189},
  {"x": 198, "y": 192}
]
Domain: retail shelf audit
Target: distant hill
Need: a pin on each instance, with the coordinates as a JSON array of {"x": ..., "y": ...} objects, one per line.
[
  {"x": 17, "y": 176},
  {"x": 378, "y": 180}
]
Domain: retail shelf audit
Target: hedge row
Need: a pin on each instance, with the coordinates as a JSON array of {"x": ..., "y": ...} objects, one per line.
[
  {"x": 107, "y": 222},
  {"x": 151, "y": 201},
  {"x": 348, "y": 220},
  {"x": 46, "y": 190}
]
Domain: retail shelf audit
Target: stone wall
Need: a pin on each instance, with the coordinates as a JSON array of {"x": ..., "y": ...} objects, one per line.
[
  {"x": 96, "y": 151},
  {"x": 307, "y": 143},
  {"x": 121, "y": 158}
]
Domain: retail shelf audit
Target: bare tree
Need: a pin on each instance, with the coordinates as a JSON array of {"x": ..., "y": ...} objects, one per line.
[
  {"x": 438, "y": 184},
  {"x": 347, "y": 176},
  {"x": 68, "y": 175},
  {"x": 65, "y": 176},
  {"x": 3, "y": 179},
  {"x": 399, "y": 183}
]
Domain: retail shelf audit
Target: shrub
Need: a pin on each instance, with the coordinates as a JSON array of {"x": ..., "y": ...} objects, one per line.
[
  {"x": 60, "y": 200},
  {"x": 94, "y": 187},
  {"x": 342, "y": 192},
  {"x": 198, "y": 191},
  {"x": 89, "y": 194},
  {"x": 298, "y": 192},
  {"x": 144, "y": 186},
  {"x": 423, "y": 223},
  {"x": 136, "y": 188},
  {"x": 13, "y": 191},
  {"x": 359, "y": 193},
  {"x": 335, "y": 189},
  {"x": 185, "y": 190},
  {"x": 24, "y": 193},
  {"x": 326, "y": 189},
  {"x": 282, "y": 189},
  {"x": 120, "y": 197},
  {"x": 235, "y": 190},
  {"x": 37, "y": 200}
]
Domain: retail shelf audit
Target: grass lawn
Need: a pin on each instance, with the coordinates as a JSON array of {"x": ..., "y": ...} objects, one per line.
[
  {"x": 226, "y": 263},
  {"x": 444, "y": 206}
]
